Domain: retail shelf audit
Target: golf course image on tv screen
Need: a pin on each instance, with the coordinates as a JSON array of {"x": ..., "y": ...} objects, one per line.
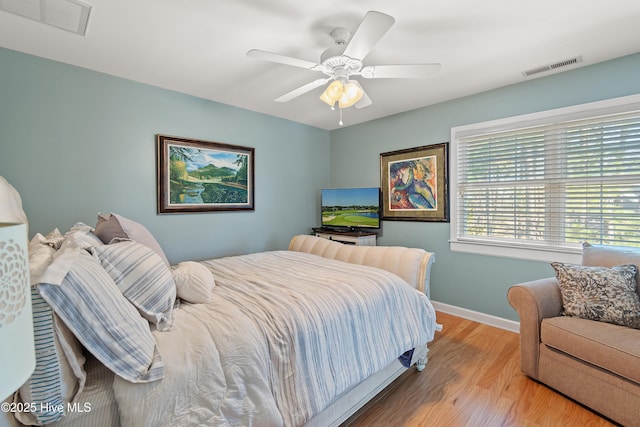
[{"x": 351, "y": 207}]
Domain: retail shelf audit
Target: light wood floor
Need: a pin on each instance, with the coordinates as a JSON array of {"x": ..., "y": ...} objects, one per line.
[{"x": 472, "y": 378}]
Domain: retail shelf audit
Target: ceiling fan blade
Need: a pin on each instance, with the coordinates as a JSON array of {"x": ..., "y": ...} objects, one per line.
[
  {"x": 281, "y": 59},
  {"x": 373, "y": 26},
  {"x": 410, "y": 71},
  {"x": 302, "y": 90},
  {"x": 365, "y": 101}
]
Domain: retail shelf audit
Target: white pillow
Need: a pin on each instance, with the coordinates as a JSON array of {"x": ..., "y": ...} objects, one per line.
[
  {"x": 41, "y": 250},
  {"x": 143, "y": 278},
  {"x": 194, "y": 282},
  {"x": 83, "y": 236}
]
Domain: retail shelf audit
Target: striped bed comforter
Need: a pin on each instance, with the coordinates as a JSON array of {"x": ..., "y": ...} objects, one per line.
[{"x": 286, "y": 333}]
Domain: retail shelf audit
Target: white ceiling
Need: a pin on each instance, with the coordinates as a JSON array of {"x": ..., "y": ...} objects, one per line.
[{"x": 199, "y": 47}]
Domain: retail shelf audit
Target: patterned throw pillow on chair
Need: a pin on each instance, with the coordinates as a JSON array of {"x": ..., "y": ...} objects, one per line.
[{"x": 600, "y": 293}]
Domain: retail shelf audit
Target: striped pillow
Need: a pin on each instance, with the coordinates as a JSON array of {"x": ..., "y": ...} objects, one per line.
[
  {"x": 90, "y": 304},
  {"x": 59, "y": 374},
  {"x": 54, "y": 382},
  {"x": 143, "y": 277}
]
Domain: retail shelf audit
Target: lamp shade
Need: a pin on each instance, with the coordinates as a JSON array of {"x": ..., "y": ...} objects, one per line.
[
  {"x": 351, "y": 94},
  {"x": 332, "y": 93},
  {"x": 17, "y": 353}
]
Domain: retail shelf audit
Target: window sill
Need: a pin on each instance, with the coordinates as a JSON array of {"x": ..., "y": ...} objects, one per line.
[{"x": 573, "y": 256}]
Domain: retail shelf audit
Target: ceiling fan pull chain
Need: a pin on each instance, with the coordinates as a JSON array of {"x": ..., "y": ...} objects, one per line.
[{"x": 340, "y": 122}]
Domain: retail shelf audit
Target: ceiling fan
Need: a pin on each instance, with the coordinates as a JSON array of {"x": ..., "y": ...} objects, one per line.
[{"x": 344, "y": 60}]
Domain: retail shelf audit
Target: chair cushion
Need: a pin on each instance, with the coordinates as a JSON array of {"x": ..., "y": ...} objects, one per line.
[
  {"x": 610, "y": 347},
  {"x": 607, "y": 256}
]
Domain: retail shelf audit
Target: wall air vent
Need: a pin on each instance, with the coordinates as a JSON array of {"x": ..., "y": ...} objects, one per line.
[
  {"x": 70, "y": 15},
  {"x": 552, "y": 67}
]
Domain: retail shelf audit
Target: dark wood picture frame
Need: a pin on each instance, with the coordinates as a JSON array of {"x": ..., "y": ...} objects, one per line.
[
  {"x": 414, "y": 184},
  {"x": 203, "y": 176}
]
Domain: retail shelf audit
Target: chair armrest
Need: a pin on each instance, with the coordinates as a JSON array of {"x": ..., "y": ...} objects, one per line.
[{"x": 534, "y": 301}]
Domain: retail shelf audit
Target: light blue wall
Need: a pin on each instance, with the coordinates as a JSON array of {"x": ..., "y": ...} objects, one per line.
[
  {"x": 474, "y": 282},
  {"x": 75, "y": 142}
]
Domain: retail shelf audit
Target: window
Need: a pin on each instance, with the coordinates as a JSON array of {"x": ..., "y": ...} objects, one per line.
[{"x": 537, "y": 186}]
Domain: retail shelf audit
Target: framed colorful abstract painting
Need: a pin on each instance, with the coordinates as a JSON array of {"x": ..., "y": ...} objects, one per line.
[
  {"x": 414, "y": 184},
  {"x": 202, "y": 176}
]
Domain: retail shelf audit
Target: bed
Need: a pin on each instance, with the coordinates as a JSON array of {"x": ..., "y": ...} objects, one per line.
[{"x": 304, "y": 336}]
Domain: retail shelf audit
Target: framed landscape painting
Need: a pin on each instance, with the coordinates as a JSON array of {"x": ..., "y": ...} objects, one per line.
[
  {"x": 202, "y": 176},
  {"x": 414, "y": 184}
]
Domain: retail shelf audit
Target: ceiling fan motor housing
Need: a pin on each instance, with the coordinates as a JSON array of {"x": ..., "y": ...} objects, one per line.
[
  {"x": 341, "y": 74},
  {"x": 341, "y": 36},
  {"x": 332, "y": 61}
]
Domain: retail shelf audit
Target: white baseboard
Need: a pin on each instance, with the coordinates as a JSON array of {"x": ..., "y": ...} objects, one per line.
[{"x": 476, "y": 316}]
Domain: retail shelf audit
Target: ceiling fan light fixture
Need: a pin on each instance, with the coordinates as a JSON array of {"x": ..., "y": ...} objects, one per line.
[
  {"x": 332, "y": 93},
  {"x": 351, "y": 94},
  {"x": 342, "y": 61}
]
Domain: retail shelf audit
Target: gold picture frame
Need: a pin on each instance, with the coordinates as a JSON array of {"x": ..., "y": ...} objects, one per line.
[{"x": 414, "y": 184}]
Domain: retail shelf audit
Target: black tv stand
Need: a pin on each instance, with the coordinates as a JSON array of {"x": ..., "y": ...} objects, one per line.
[
  {"x": 341, "y": 230},
  {"x": 331, "y": 229}
]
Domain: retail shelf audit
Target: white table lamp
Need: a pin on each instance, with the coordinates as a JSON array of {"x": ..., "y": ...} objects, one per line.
[{"x": 17, "y": 353}]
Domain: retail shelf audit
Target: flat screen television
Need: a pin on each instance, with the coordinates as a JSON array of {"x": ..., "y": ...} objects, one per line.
[{"x": 351, "y": 209}]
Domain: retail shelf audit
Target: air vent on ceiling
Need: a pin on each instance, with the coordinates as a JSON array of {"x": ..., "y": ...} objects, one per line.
[
  {"x": 70, "y": 15},
  {"x": 551, "y": 67}
]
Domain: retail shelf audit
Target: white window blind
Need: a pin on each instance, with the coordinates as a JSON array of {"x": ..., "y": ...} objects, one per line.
[{"x": 550, "y": 185}]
